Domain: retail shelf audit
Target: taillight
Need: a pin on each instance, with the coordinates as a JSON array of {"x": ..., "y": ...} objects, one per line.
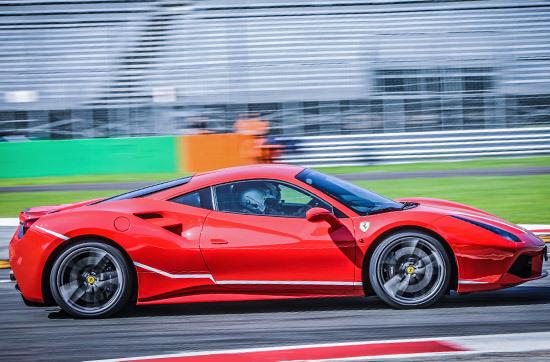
[{"x": 24, "y": 226}]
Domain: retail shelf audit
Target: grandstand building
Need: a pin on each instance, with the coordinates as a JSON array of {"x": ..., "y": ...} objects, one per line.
[{"x": 100, "y": 68}]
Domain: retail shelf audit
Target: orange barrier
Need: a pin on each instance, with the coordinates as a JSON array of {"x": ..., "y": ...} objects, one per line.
[{"x": 205, "y": 152}]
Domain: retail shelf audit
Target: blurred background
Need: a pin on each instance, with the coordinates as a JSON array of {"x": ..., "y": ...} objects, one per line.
[
  {"x": 110, "y": 94},
  {"x": 408, "y": 98}
]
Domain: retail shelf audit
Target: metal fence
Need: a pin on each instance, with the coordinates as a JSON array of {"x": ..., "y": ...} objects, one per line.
[
  {"x": 105, "y": 68},
  {"x": 365, "y": 149}
]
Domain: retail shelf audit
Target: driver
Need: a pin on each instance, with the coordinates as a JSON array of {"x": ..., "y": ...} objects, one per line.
[{"x": 260, "y": 198}]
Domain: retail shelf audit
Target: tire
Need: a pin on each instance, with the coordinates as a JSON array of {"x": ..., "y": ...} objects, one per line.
[
  {"x": 410, "y": 270},
  {"x": 91, "y": 279}
]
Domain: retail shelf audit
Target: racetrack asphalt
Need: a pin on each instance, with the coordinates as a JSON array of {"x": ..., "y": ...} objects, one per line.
[
  {"x": 369, "y": 176},
  {"x": 46, "y": 333}
]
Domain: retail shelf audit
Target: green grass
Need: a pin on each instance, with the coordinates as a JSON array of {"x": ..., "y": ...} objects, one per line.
[
  {"x": 543, "y": 161},
  {"x": 11, "y": 203},
  {"x": 424, "y": 166},
  {"x": 520, "y": 199}
]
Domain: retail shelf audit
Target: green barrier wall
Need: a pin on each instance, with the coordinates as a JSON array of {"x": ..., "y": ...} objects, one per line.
[{"x": 88, "y": 157}]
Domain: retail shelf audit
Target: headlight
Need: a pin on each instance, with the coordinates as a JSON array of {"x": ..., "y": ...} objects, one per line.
[{"x": 505, "y": 234}]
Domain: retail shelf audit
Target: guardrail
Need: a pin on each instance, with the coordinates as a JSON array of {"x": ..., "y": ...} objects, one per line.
[{"x": 364, "y": 149}]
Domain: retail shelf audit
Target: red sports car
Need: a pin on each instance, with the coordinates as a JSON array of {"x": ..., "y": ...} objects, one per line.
[{"x": 262, "y": 232}]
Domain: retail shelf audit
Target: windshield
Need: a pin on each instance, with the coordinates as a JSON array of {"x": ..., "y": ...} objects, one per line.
[{"x": 358, "y": 199}]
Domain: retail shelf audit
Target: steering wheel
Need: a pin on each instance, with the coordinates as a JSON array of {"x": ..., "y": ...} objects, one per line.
[{"x": 314, "y": 203}]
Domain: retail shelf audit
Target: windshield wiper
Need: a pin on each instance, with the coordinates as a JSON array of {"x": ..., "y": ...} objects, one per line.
[
  {"x": 409, "y": 205},
  {"x": 385, "y": 209},
  {"x": 404, "y": 206}
]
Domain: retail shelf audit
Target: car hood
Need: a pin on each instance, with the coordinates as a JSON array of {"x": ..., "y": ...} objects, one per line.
[{"x": 451, "y": 208}]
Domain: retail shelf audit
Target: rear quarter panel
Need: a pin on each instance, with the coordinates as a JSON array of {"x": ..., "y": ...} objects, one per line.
[{"x": 143, "y": 241}]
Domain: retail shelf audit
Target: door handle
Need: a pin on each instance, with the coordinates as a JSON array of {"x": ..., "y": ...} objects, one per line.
[{"x": 218, "y": 241}]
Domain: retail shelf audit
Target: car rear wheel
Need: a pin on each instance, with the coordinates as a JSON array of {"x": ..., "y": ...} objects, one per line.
[
  {"x": 410, "y": 270},
  {"x": 91, "y": 279}
]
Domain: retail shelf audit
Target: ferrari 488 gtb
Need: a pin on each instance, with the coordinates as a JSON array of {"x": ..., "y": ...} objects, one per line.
[{"x": 262, "y": 232}]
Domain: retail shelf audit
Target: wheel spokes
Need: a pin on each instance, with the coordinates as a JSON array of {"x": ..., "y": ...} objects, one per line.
[
  {"x": 411, "y": 270},
  {"x": 414, "y": 246},
  {"x": 107, "y": 276},
  {"x": 397, "y": 284},
  {"x": 422, "y": 262},
  {"x": 73, "y": 291},
  {"x": 99, "y": 259},
  {"x": 89, "y": 279}
]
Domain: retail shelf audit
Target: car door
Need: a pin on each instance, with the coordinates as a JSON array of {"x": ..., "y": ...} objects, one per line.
[{"x": 277, "y": 248}]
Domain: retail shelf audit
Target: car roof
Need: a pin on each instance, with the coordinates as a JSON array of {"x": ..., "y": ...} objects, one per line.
[
  {"x": 262, "y": 171},
  {"x": 252, "y": 171}
]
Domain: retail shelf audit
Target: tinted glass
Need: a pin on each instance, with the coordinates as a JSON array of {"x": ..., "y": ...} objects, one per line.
[
  {"x": 356, "y": 198},
  {"x": 149, "y": 190},
  {"x": 201, "y": 198},
  {"x": 266, "y": 197}
]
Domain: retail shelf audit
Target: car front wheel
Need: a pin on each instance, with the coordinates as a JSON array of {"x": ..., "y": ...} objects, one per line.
[
  {"x": 410, "y": 270},
  {"x": 91, "y": 279}
]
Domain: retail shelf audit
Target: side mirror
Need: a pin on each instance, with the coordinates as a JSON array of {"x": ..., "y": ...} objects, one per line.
[{"x": 318, "y": 214}]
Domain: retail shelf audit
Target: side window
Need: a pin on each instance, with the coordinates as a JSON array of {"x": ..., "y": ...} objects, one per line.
[
  {"x": 266, "y": 197},
  {"x": 201, "y": 198},
  {"x": 227, "y": 198}
]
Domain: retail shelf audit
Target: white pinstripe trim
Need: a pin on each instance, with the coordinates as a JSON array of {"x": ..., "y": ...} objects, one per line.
[
  {"x": 462, "y": 281},
  {"x": 61, "y": 236},
  {"x": 283, "y": 282},
  {"x": 243, "y": 282},
  {"x": 175, "y": 276}
]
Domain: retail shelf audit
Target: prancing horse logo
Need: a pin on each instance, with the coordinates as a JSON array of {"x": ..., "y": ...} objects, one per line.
[{"x": 364, "y": 226}]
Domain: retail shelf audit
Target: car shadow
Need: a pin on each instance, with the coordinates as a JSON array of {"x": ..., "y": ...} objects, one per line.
[
  {"x": 509, "y": 297},
  {"x": 524, "y": 295}
]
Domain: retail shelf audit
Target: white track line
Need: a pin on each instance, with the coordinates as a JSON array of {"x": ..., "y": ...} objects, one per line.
[
  {"x": 479, "y": 344},
  {"x": 9, "y": 221},
  {"x": 535, "y": 226}
]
